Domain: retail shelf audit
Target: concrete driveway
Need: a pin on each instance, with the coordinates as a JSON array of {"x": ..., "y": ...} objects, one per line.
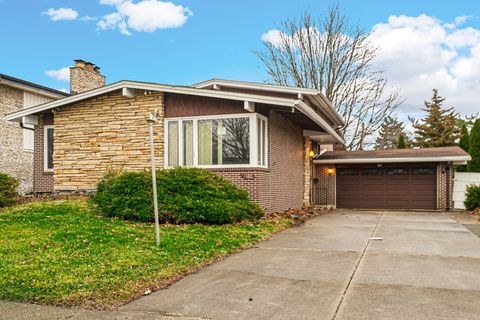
[{"x": 426, "y": 267}]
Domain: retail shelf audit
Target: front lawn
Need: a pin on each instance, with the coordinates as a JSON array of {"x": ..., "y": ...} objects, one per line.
[{"x": 63, "y": 253}]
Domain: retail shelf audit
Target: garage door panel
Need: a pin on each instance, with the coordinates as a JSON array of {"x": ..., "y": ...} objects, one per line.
[{"x": 396, "y": 188}]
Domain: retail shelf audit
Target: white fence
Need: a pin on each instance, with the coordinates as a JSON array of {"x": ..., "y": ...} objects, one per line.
[{"x": 460, "y": 183}]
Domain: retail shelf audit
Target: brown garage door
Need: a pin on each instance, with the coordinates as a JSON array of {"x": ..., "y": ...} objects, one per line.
[{"x": 387, "y": 188}]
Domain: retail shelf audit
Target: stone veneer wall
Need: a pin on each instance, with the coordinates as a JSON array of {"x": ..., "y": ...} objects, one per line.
[
  {"x": 104, "y": 133},
  {"x": 13, "y": 159},
  {"x": 307, "y": 169},
  {"x": 324, "y": 188},
  {"x": 82, "y": 80}
]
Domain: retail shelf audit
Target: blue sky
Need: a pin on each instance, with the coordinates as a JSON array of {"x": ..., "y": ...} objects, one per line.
[{"x": 217, "y": 39}]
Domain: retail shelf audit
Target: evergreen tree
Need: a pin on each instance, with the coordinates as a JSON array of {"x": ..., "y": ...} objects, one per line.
[
  {"x": 402, "y": 143},
  {"x": 464, "y": 142},
  {"x": 439, "y": 128},
  {"x": 474, "y": 149},
  {"x": 389, "y": 134}
]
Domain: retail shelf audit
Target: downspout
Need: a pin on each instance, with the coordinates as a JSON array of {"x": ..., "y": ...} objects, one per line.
[{"x": 23, "y": 127}]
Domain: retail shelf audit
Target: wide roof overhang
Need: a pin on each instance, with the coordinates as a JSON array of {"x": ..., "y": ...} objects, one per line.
[
  {"x": 453, "y": 154},
  {"x": 130, "y": 88}
]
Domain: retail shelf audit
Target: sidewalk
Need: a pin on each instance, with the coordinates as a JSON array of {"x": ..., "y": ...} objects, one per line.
[{"x": 24, "y": 311}]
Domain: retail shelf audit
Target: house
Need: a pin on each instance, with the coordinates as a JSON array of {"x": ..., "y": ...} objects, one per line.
[
  {"x": 16, "y": 142},
  {"x": 261, "y": 137}
]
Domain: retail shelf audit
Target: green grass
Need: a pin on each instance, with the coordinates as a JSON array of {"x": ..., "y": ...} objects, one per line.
[{"x": 62, "y": 253}]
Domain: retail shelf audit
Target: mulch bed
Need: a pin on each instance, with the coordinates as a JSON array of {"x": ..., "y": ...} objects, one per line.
[
  {"x": 301, "y": 215},
  {"x": 474, "y": 212}
]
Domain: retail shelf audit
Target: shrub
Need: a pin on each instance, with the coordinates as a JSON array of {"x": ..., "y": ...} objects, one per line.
[
  {"x": 472, "y": 200},
  {"x": 185, "y": 195},
  {"x": 8, "y": 190}
]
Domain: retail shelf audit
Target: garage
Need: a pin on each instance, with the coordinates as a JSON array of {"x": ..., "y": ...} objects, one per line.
[
  {"x": 386, "y": 179},
  {"x": 391, "y": 187}
]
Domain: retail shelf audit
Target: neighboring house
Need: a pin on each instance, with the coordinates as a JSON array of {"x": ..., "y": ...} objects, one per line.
[
  {"x": 261, "y": 137},
  {"x": 17, "y": 142}
]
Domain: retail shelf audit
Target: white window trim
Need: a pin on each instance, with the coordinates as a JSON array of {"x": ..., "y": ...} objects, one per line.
[
  {"x": 45, "y": 144},
  {"x": 253, "y": 140}
]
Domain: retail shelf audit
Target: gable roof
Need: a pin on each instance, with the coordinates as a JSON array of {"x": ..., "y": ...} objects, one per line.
[
  {"x": 30, "y": 86},
  {"x": 438, "y": 154},
  {"x": 253, "y": 85},
  {"x": 126, "y": 85}
]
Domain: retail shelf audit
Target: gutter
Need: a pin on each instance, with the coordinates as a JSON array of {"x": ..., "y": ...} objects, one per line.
[
  {"x": 455, "y": 159},
  {"x": 32, "y": 87},
  {"x": 305, "y": 109}
]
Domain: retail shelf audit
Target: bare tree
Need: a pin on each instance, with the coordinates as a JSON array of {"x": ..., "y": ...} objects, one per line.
[{"x": 337, "y": 59}]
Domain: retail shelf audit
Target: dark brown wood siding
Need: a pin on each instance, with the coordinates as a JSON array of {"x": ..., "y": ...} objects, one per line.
[
  {"x": 178, "y": 105},
  {"x": 394, "y": 186},
  {"x": 261, "y": 92}
]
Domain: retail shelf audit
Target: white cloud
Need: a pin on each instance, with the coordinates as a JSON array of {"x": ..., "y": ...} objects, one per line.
[
  {"x": 88, "y": 18},
  {"x": 143, "y": 16},
  {"x": 421, "y": 53},
  {"x": 61, "y": 14},
  {"x": 62, "y": 74},
  {"x": 274, "y": 37}
]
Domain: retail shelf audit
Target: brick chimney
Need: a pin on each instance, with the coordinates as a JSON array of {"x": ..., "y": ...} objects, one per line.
[{"x": 85, "y": 76}]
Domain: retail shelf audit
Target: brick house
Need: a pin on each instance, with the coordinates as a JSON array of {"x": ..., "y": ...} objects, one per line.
[
  {"x": 270, "y": 140},
  {"x": 16, "y": 142},
  {"x": 258, "y": 136}
]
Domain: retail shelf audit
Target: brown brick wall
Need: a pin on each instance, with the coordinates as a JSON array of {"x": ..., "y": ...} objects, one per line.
[
  {"x": 104, "y": 133},
  {"x": 42, "y": 181},
  {"x": 286, "y": 159},
  {"x": 444, "y": 185},
  {"x": 324, "y": 186},
  {"x": 254, "y": 180},
  {"x": 82, "y": 80},
  {"x": 13, "y": 159}
]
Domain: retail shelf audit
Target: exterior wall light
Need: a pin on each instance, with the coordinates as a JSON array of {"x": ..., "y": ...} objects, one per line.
[
  {"x": 311, "y": 154},
  {"x": 330, "y": 171}
]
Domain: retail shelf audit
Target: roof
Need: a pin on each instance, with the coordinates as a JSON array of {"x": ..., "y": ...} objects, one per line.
[
  {"x": 317, "y": 96},
  {"x": 253, "y": 85},
  {"x": 438, "y": 154},
  {"x": 30, "y": 86},
  {"x": 127, "y": 85}
]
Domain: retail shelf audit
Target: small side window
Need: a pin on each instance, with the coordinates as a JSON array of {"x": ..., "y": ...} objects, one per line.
[
  {"x": 372, "y": 172},
  {"x": 347, "y": 172},
  {"x": 423, "y": 171},
  {"x": 48, "y": 148},
  {"x": 397, "y": 171}
]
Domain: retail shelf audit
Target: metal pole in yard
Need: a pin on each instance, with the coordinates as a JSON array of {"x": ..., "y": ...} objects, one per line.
[{"x": 151, "y": 121}]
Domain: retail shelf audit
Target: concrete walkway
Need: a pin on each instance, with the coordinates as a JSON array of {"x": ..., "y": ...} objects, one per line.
[{"x": 426, "y": 267}]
